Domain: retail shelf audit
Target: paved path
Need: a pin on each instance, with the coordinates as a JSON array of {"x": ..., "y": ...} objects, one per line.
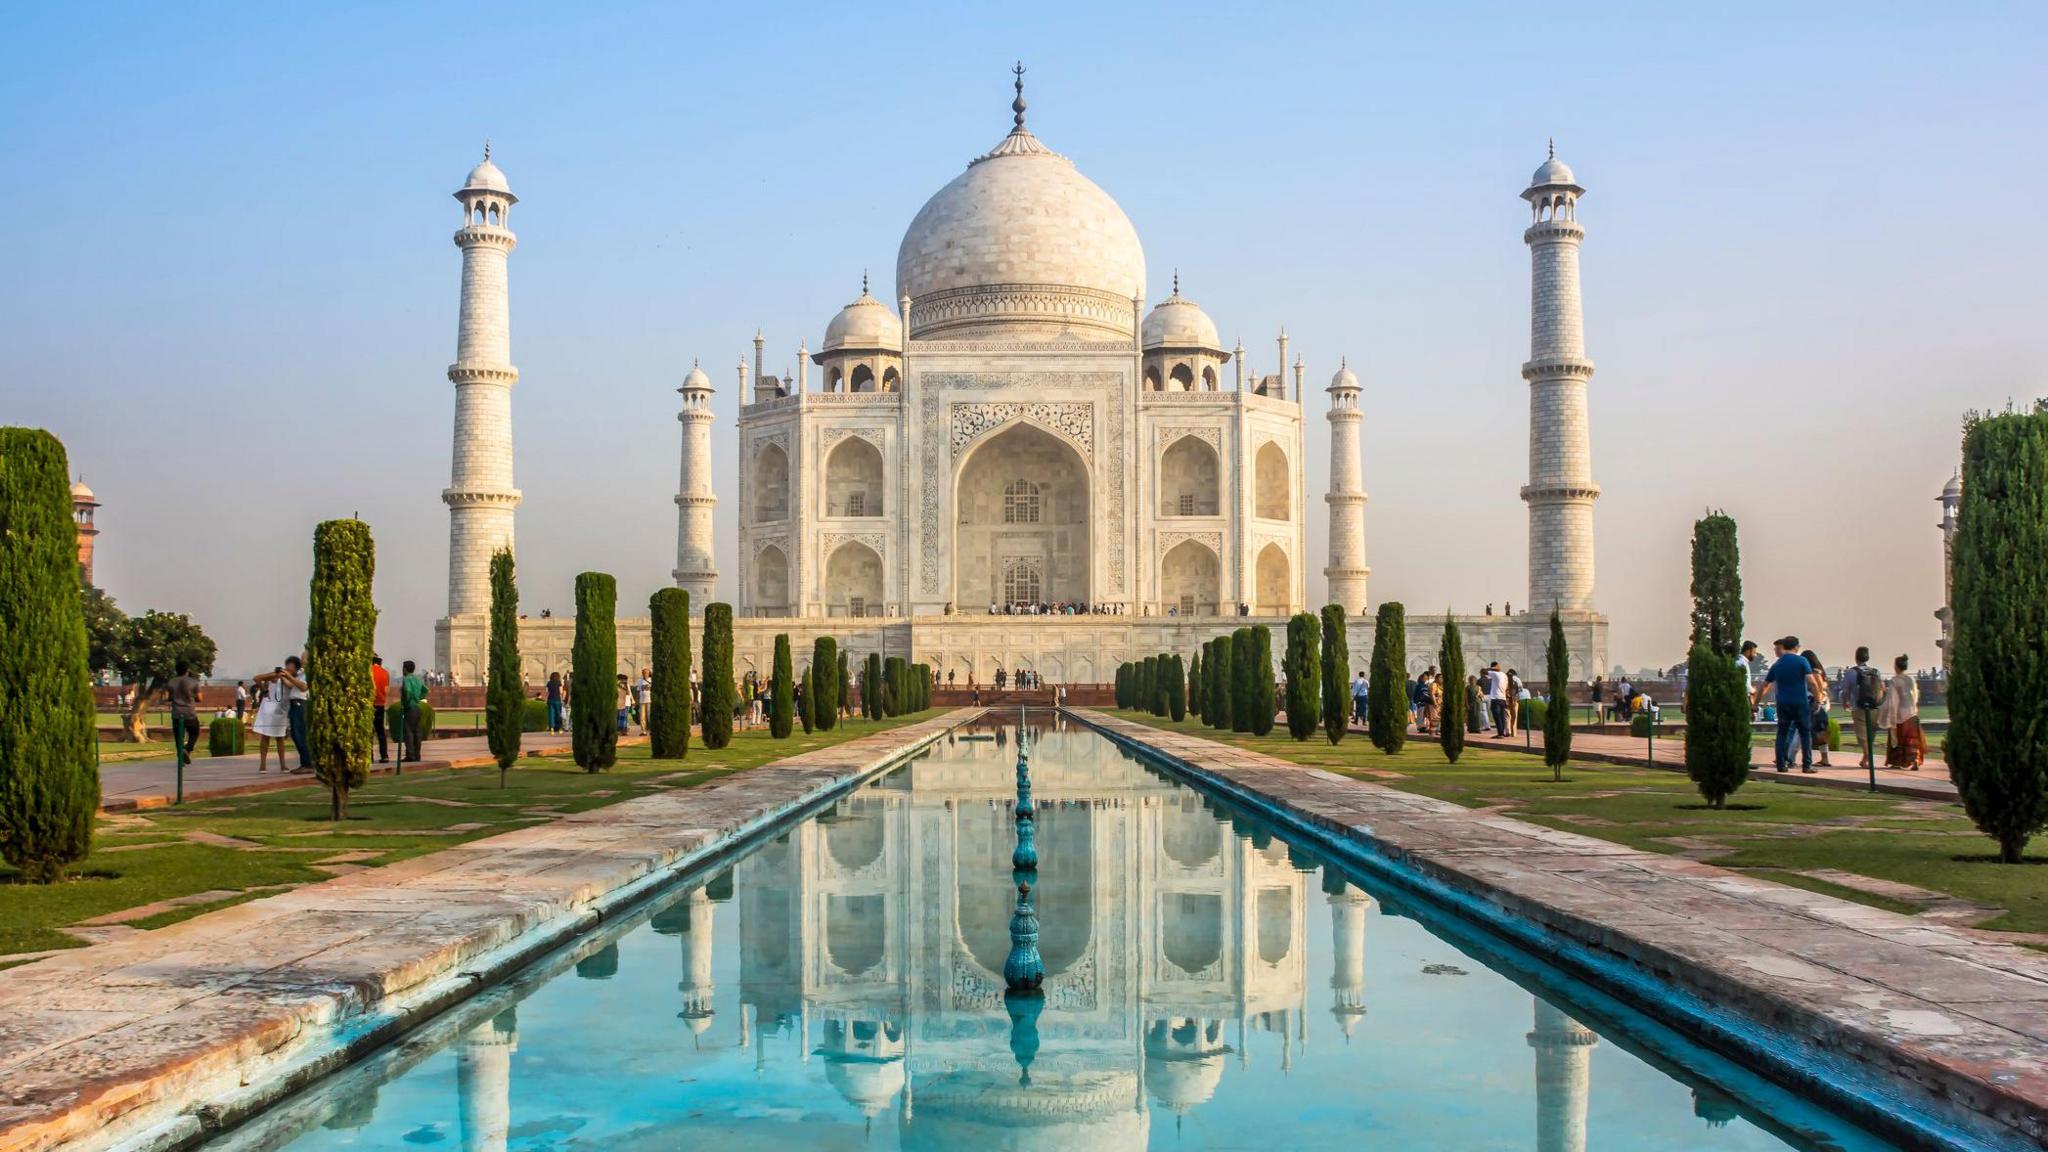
[
  {"x": 153, "y": 783},
  {"x": 1944, "y": 1024},
  {"x": 163, "y": 1036},
  {"x": 1930, "y": 783}
]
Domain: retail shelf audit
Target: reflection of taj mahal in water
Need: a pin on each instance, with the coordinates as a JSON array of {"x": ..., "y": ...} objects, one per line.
[{"x": 873, "y": 940}]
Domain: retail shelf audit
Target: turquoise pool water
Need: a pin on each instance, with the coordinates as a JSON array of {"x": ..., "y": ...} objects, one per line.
[{"x": 1209, "y": 986}]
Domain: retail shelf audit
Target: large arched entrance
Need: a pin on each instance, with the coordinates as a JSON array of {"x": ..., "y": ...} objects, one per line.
[
  {"x": 853, "y": 581},
  {"x": 1191, "y": 579},
  {"x": 1021, "y": 535}
]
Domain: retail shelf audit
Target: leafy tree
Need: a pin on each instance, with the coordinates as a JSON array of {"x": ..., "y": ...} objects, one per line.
[
  {"x": 151, "y": 650},
  {"x": 1557, "y": 718},
  {"x": 341, "y": 635},
  {"x": 504, "y": 685},
  {"x": 807, "y": 701},
  {"x": 593, "y": 674},
  {"x": 49, "y": 785},
  {"x": 1716, "y": 723},
  {"x": 1450, "y": 659},
  {"x": 718, "y": 693},
  {"x": 1998, "y": 666},
  {"x": 825, "y": 675},
  {"x": 1176, "y": 688},
  {"x": 1194, "y": 683},
  {"x": 1223, "y": 684},
  {"x": 106, "y": 628},
  {"x": 1716, "y": 585},
  {"x": 781, "y": 691},
  {"x": 1304, "y": 664},
  {"x": 1264, "y": 697},
  {"x": 1336, "y": 674},
  {"x": 668, "y": 730},
  {"x": 1386, "y": 706}
]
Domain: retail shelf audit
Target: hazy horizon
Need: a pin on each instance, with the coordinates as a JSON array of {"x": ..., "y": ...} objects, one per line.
[{"x": 1810, "y": 250}]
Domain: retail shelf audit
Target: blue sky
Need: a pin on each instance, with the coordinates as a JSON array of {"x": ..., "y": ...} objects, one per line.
[{"x": 226, "y": 277}]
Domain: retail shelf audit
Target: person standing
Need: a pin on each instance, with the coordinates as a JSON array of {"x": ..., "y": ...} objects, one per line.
[
  {"x": 1863, "y": 692},
  {"x": 1788, "y": 679},
  {"x": 1900, "y": 715},
  {"x": 625, "y": 703},
  {"x": 295, "y": 705},
  {"x": 1817, "y": 691},
  {"x": 643, "y": 695},
  {"x": 183, "y": 691},
  {"x": 1516, "y": 693},
  {"x": 272, "y": 718},
  {"x": 554, "y": 702},
  {"x": 1360, "y": 692},
  {"x": 412, "y": 692},
  {"x": 380, "y": 693},
  {"x": 241, "y": 700},
  {"x": 1496, "y": 686}
]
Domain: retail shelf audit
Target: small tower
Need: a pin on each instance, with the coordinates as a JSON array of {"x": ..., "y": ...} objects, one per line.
[
  {"x": 1346, "y": 498},
  {"x": 696, "y": 570},
  {"x": 480, "y": 495},
  {"x": 1348, "y": 908},
  {"x": 1564, "y": 1057},
  {"x": 863, "y": 348},
  {"x": 696, "y": 984},
  {"x": 83, "y": 505},
  {"x": 1951, "y": 500},
  {"x": 483, "y": 1083},
  {"x": 1560, "y": 492}
]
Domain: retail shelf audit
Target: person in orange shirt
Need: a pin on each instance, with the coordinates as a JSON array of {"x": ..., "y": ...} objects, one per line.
[{"x": 380, "y": 685}]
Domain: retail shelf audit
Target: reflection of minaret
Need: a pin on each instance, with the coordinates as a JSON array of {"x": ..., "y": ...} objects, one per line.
[
  {"x": 1564, "y": 1056},
  {"x": 696, "y": 983},
  {"x": 1348, "y": 907},
  {"x": 483, "y": 1082}
]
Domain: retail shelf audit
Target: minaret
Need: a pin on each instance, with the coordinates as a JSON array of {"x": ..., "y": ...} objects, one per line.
[
  {"x": 1951, "y": 499},
  {"x": 480, "y": 495},
  {"x": 1280, "y": 375},
  {"x": 483, "y": 1083},
  {"x": 83, "y": 505},
  {"x": 1347, "y": 955},
  {"x": 1561, "y": 491},
  {"x": 1564, "y": 1057},
  {"x": 696, "y": 985},
  {"x": 1346, "y": 498},
  {"x": 696, "y": 571}
]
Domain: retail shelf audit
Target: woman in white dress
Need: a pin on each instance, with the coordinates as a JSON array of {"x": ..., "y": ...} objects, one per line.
[
  {"x": 1899, "y": 713},
  {"x": 273, "y": 719}
]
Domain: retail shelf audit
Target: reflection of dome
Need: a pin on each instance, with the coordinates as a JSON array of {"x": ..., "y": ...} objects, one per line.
[
  {"x": 865, "y": 324},
  {"x": 868, "y": 1085},
  {"x": 1079, "y": 1111},
  {"x": 1020, "y": 239},
  {"x": 1179, "y": 322},
  {"x": 1184, "y": 1062}
]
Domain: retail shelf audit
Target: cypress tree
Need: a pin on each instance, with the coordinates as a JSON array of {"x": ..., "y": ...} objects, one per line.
[
  {"x": 1162, "y": 684},
  {"x": 1143, "y": 703},
  {"x": 825, "y": 678},
  {"x": 781, "y": 691},
  {"x": 1176, "y": 689},
  {"x": 1716, "y": 587},
  {"x": 668, "y": 730},
  {"x": 1998, "y": 669},
  {"x": 1387, "y": 693},
  {"x": 1242, "y": 690},
  {"x": 341, "y": 635},
  {"x": 504, "y": 686},
  {"x": 1304, "y": 664},
  {"x": 1557, "y": 718},
  {"x": 1223, "y": 684},
  {"x": 1194, "y": 686},
  {"x": 1716, "y": 723},
  {"x": 893, "y": 686},
  {"x": 1336, "y": 674},
  {"x": 1123, "y": 685},
  {"x": 845, "y": 686},
  {"x": 49, "y": 785},
  {"x": 871, "y": 690},
  {"x": 1265, "y": 702},
  {"x": 593, "y": 674},
  {"x": 718, "y": 694},
  {"x": 807, "y": 701},
  {"x": 1450, "y": 659}
]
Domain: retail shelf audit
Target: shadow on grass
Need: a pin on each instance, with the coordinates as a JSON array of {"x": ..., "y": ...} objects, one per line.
[
  {"x": 1722, "y": 808},
  {"x": 1988, "y": 859}
]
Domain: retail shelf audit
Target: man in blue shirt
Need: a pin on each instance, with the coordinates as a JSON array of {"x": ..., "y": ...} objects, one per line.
[{"x": 1788, "y": 676}]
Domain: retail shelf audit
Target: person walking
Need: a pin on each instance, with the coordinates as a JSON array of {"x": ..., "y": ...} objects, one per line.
[
  {"x": 1899, "y": 712},
  {"x": 412, "y": 693},
  {"x": 380, "y": 696},
  {"x": 1818, "y": 689},
  {"x": 555, "y": 698},
  {"x": 183, "y": 691},
  {"x": 1863, "y": 694},
  {"x": 272, "y": 718},
  {"x": 1788, "y": 680},
  {"x": 1360, "y": 692}
]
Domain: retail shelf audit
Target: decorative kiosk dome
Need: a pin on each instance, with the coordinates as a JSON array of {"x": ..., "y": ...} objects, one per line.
[
  {"x": 486, "y": 177},
  {"x": 1555, "y": 173},
  {"x": 1179, "y": 324},
  {"x": 1345, "y": 377},
  {"x": 1020, "y": 244},
  {"x": 865, "y": 325},
  {"x": 80, "y": 494}
]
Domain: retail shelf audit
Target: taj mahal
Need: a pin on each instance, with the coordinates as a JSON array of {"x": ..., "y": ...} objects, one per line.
[{"x": 1018, "y": 464}]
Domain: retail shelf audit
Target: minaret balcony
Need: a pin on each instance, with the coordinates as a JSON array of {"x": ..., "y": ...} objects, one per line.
[
  {"x": 485, "y": 236},
  {"x": 1554, "y": 232},
  {"x": 1560, "y": 493},
  {"x": 478, "y": 499},
  {"x": 475, "y": 372},
  {"x": 1558, "y": 368}
]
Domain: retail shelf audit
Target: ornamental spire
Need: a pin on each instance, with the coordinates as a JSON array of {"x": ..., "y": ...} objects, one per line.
[
  {"x": 1553, "y": 147},
  {"x": 1017, "y": 105}
]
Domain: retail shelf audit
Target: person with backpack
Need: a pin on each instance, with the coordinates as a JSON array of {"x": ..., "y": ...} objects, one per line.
[
  {"x": 1863, "y": 695},
  {"x": 412, "y": 693}
]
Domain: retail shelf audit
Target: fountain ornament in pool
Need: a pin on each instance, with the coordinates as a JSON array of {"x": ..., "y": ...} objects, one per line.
[{"x": 873, "y": 977}]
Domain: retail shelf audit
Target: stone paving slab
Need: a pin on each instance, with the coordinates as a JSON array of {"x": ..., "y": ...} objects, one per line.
[
  {"x": 1953, "y": 1023},
  {"x": 126, "y": 1040}
]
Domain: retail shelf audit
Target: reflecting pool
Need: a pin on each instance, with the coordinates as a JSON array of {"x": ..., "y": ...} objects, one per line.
[{"x": 1208, "y": 985}]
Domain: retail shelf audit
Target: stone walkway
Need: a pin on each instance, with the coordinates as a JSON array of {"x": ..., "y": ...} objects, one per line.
[
  {"x": 1956, "y": 1025},
  {"x": 153, "y": 783},
  {"x": 188, "y": 1028}
]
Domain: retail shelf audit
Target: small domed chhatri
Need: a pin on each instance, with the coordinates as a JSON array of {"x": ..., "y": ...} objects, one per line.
[
  {"x": 1179, "y": 324},
  {"x": 867, "y": 324},
  {"x": 486, "y": 177}
]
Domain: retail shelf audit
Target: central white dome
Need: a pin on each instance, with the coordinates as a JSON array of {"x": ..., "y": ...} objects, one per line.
[{"x": 1021, "y": 240}]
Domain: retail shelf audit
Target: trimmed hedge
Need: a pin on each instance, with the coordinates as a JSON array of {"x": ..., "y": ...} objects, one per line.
[
  {"x": 593, "y": 674},
  {"x": 781, "y": 691},
  {"x": 1304, "y": 663},
  {"x": 341, "y": 632},
  {"x": 533, "y": 716},
  {"x": 668, "y": 729},
  {"x": 1387, "y": 683},
  {"x": 504, "y": 686},
  {"x": 224, "y": 736},
  {"x": 1336, "y": 674},
  {"x": 719, "y": 691},
  {"x": 825, "y": 681}
]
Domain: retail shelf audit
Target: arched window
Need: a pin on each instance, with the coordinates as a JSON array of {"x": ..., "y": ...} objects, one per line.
[
  {"x": 1023, "y": 583},
  {"x": 890, "y": 381},
  {"x": 1209, "y": 378},
  {"x": 863, "y": 379},
  {"x": 1183, "y": 379},
  {"x": 1020, "y": 503},
  {"x": 1151, "y": 379}
]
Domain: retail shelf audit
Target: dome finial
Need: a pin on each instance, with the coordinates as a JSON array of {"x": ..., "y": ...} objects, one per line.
[
  {"x": 1176, "y": 281},
  {"x": 487, "y": 148},
  {"x": 863, "y": 281},
  {"x": 1017, "y": 105},
  {"x": 1553, "y": 147}
]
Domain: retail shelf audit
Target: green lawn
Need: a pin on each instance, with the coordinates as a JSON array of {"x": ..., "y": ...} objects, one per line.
[
  {"x": 144, "y": 857},
  {"x": 1769, "y": 828}
]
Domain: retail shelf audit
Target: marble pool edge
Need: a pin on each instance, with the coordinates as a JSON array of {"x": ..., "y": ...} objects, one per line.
[{"x": 1907, "y": 1097}]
